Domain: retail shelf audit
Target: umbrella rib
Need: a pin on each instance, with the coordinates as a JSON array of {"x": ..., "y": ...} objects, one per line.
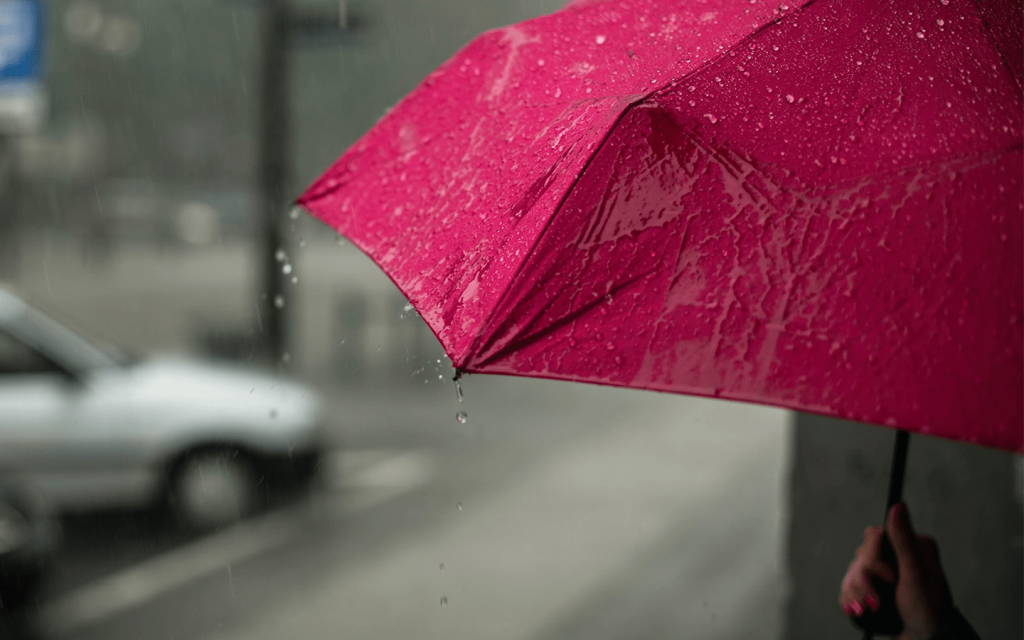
[
  {"x": 532, "y": 338},
  {"x": 485, "y": 335}
]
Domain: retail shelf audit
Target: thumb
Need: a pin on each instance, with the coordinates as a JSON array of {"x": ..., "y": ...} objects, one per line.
[{"x": 901, "y": 535}]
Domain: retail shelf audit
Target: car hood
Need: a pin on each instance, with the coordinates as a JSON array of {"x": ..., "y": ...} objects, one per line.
[{"x": 206, "y": 394}]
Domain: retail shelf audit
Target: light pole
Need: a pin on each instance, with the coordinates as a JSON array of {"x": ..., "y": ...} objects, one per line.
[{"x": 278, "y": 24}]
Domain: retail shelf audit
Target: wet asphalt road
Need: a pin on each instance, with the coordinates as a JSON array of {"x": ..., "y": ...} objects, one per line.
[{"x": 557, "y": 511}]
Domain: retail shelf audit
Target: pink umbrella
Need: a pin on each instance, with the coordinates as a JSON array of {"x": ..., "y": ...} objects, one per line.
[{"x": 816, "y": 206}]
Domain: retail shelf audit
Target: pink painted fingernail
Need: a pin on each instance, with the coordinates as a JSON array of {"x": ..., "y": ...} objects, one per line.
[
  {"x": 857, "y": 609},
  {"x": 872, "y": 602}
]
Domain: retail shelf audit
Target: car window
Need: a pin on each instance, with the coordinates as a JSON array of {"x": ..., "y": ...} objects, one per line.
[{"x": 16, "y": 357}]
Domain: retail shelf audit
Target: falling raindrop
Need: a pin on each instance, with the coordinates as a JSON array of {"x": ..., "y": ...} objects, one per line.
[
  {"x": 294, "y": 212},
  {"x": 444, "y": 601},
  {"x": 458, "y": 390},
  {"x": 442, "y": 566},
  {"x": 458, "y": 505},
  {"x": 295, "y": 279},
  {"x": 286, "y": 269},
  {"x": 280, "y": 255},
  {"x": 273, "y": 413},
  {"x": 340, "y": 241},
  {"x": 279, "y": 302},
  {"x": 286, "y": 357},
  {"x": 302, "y": 243},
  {"x": 462, "y": 417}
]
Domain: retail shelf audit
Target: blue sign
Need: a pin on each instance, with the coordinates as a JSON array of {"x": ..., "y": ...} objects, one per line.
[
  {"x": 21, "y": 40},
  {"x": 22, "y": 96}
]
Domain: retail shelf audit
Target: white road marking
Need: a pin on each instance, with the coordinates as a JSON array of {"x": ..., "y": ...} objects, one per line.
[{"x": 368, "y": 478}]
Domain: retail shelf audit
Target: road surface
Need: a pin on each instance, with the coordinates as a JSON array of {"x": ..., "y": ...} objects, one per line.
[{"x": 557, "y": 511}]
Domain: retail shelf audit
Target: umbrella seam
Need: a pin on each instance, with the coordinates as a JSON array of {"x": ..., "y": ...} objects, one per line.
[
  {"x": 485, "y": 334},
  {"x": 995, "y": 43}
]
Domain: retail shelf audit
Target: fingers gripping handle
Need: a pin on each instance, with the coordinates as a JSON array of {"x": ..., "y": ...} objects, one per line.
[{"x": 886, "y": 620}]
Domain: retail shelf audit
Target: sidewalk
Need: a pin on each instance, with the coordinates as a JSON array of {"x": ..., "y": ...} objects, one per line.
[{"x": 673, "y": 519}]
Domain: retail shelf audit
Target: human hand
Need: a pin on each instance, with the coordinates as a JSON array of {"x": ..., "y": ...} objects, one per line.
[{"x": 922, "y": 594}]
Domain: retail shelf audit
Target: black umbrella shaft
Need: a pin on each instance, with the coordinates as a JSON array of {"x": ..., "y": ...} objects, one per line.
[
  {"x": 899, "y": 465},
  {"x": 887, "y": 619}
]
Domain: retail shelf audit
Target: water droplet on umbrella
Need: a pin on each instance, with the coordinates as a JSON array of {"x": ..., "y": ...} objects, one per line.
[
  {"x": 775, "y": 47},
  {"x": 444, "y": 601},
  {"x": 940, "y": 22},
  {"x": 286, "y": 269},
  {"x": 920, "y": 34},
  {"x": 279, "y": 302},
  {"x": 691, "y": 88},
  {"x": 610, "y": 346},
  {"x": 944, "y": 2},
  {"x": 600, "y": 39},
  {"x": 711, "y": 117},
  {"x": 462, "y": 417},
  {"x": 692, "y": 103},
  {"x": 790, "y": 99}
]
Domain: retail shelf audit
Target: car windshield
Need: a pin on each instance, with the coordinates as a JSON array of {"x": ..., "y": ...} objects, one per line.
[{"x": 61, "y": 344}]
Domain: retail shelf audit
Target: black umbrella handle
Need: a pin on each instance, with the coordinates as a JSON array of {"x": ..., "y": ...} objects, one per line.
[{"x": 886, "y": 620}]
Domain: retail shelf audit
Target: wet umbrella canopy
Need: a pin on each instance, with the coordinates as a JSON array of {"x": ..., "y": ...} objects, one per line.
[{"x": 816, "y": 206}]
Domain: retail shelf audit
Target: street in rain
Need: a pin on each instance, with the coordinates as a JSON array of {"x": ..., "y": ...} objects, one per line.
[{"x": 528, "y": 320}]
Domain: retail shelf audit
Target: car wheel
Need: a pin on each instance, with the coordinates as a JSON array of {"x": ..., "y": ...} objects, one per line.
[{"x": 212, "y": 488}]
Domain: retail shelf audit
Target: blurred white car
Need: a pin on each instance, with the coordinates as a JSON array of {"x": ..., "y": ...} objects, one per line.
[{"x": 93, "y": 429}]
